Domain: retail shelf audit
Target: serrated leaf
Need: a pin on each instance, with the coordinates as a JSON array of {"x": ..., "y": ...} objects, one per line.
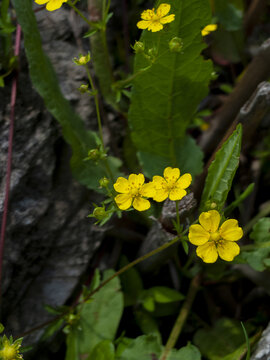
[
  {"x": 45, "y": 81},
  {"x": 165, "y": 97},
  {"x": 222, "y": 170},
  {"x": 99, "y": 319}
]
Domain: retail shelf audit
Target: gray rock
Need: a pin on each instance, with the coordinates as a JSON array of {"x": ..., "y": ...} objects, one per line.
[{"x": 262, "y": 351}]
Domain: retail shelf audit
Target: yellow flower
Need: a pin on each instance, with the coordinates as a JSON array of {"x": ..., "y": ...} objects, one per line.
[
  {"x": 154, "y": 21},
  {"x": 172, "y": 186},
  {"x": 133, "y": 192},
  {"x": 10, "y": 351},
  {"x": 208, "y": 28},
  {"x": 213, "y": 240},
  {"x": 51, "y": 4}
]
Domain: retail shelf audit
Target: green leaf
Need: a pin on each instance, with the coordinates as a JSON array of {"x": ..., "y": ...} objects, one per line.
[
  {"x": 220, "y": 341},
  {"x": 102, "y": 351},
  {"x": 228, "y": 15},
  {"x": 163, "y": 294},
  {"x": 1, "y": 328},
  {"x": 259, "y": 257},
  {"x": 99, "y": 319},
  {"x": 143, "y": 348},
  {"x": 146, "y": 322},
  {"x": 189, "y": 352},
  {"x": 45, "y": 81},
  {"x": 221, "y": 171},
  {"x": 52, "y": 328},
  {"x": 72, "y": 352},
  {"x": 165, "y": 97}
]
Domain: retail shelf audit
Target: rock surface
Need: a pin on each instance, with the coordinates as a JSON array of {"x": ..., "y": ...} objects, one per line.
[{"x": 49, "y": 240}]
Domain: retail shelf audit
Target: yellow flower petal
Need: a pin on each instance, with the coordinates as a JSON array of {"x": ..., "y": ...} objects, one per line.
[
  {"x": 167, "y": 19},
  {"x": 155, "y": 26},
  {"x": 177, "y": 194},
  {"x": 141, "y": 204},
  {"x": 41, "y": 2},
  {"x": 208, "y": 28},
  {"x": 159, "y": 182},
  {"x": 54, "y": 4},
  {"x": 171, "y": 174},
  {"x": 143, "y": 24},
  {"x": 148, "y": 190},
  {"x": 161, "y": 195},
  {"x": 136, "y": 180},
  {"x": 197, "y": 235},
  {"x": 230, "y": 230},
  {"x": 208, "y": 252},
  {"x": 121, "y": 185},
  {"x": 163, "y": 10},
  {"x": 227, "y": 250},
  {"x": 184, "y": 181},
  {"x": 147, "y": 14},
  {"x": 210, "y": 220},
  {"x": 123, "y": 201}
]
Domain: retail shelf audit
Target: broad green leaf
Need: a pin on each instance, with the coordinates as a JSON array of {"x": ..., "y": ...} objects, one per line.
[
  {"x": 143, "y": 348},
  {"x": 221, "y": 171},
  {"x": 99, "y": 319},
  {"x": 163, "y": 294},
  {"x": 165, "y": 97},
  {"x": 220, "y": 341},
  {"x": 102, "y": 351},
  {"x": 259, "y": 257},
  {"x": 45, "y": 81},
  {"x": 189, "y": 352}
]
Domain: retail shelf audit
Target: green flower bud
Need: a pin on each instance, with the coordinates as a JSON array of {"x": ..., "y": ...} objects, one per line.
[
  {"x": 103, "y": 182},
  {"x": 176, "y": 44},
  {"x": 82, "y": 60},
  {"x": 94, "y": 154},
  {"x": 138, "y": 47},
  {"x": 83, "y": 89},
  {"x": 99, "y": 213}
]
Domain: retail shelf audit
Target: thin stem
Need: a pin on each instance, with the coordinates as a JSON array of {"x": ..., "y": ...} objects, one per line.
[
  {"x": 119, "y": 272},
  {"x": 80, "y": 13},
  {"x": 95, "y": 94},
  {"x": 180, "y": 321},
  {"x": 9, "y": 160},
  {"x": 264, "y": 212}
]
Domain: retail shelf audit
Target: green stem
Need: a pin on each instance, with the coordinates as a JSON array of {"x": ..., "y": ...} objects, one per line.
[
  {"x": 80, "y": 13},
  {"x": 95, "y": 94},
  {"x": 133, "y": 263},
  {"x": 180, "y": 321},
  {"x": 123, "y": 83},
  {"x": 264, "y": 212}
]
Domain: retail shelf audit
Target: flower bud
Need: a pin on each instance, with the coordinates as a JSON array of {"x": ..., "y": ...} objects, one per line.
[
  {"x": 82, "y": 60},
  {"x": 103, "y": 182},
  {"x": 94, "y": 154},
  {"x": 99, "y": 213},
  {"x": 138, "y": 47},
  {"x": 83, "y": 89},
  {"x": 176, "y": 44}
]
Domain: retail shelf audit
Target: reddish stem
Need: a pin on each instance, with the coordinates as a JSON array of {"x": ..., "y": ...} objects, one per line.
[{"x": 9, "y": 158}]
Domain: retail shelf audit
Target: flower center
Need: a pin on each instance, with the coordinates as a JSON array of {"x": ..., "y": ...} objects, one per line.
[{"x": 215, "y": 236}]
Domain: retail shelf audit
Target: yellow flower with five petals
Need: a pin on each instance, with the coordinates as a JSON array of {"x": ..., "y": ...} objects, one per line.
[
  {"x": 133, "y": 191},
  {"x": 51, "y": 5},
  {"x": 154, "y": 20},
  {"x": 172, "y": 185},
  {"x": 214, "y": 240}
]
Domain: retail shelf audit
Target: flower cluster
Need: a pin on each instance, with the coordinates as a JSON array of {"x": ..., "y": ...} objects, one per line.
[
  {"x": 51, "y": 5},
  {"x": 214, "y": 240},
  {"x": 154, "y": 20},
  {"x": 134, "y": 192}
]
